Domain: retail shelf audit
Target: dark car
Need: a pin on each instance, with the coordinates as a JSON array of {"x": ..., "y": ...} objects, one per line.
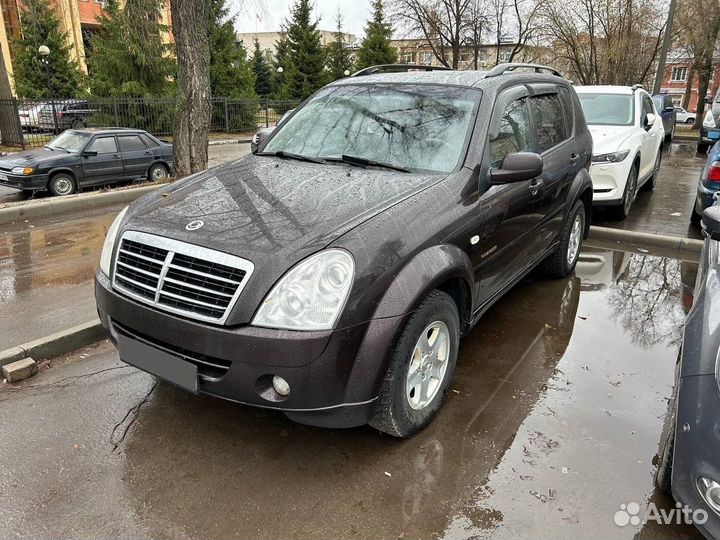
[
  {"x": 708, "y": 185},
  {"x": 68, "y": 114},
  {"x": 689, "y": 465},
  {"x": 331, "y": 274},
  {"x": 710, "y": 128},
  {"x": 265, "y": 132},
  {"x": 87, "y": 157},
  {"x": 666, "y": 109}
]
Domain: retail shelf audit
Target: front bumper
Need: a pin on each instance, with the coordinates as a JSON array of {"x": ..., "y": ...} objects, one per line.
[
  {"x": 697, "y": 445},
  {"x": 334, "y": 376},
  {"x": 33, "y": 182},
  {"x": 609, "y": 180}
]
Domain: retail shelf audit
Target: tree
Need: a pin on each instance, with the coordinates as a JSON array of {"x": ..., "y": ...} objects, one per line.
[
  {"x": 10, "y": 128},
  {"x": 40, "y": 26},
  {"x": 516, "y": 22},
  {"x": 261, "y": 71},
  {"x": 375, "y": 47},
  {"x": 190, "y": 23},
  {"x": 129, "y": 57},
  {"x": 231, "y": 74},
  {"x": 305, "y": 72},
  {"x": 339, "y": 57},
  {"x": 281, "y": 63}
]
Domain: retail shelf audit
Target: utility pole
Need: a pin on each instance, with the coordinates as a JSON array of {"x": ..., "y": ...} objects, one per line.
[{"x": 667, "y": 38}]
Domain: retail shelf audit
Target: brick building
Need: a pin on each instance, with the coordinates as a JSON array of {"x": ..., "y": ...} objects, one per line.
[{"x": 675, "y": 81}]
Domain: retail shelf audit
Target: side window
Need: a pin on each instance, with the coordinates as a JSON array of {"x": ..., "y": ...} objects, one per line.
[
  {"x": 549, "y": 121},
  {"x": 103, "y": 145},
  {"x": 151, "y": 143},
  {"x": 569, "y": 108},
  {"x": 131, "y": 143},
  {"x": 513, "y": 132}
]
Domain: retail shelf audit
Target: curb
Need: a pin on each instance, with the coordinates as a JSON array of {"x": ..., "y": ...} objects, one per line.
[
  {"x": 81, "y": 201},
  {"x": 229, "y": 141},
  {"x": 56, "y": 344},
  {"x": 675, "y": 244}
]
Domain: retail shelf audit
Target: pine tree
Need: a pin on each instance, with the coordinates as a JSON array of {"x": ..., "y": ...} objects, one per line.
[
  {"x": 375, "y": 47},
  {"x": 261, "y": 70},
  {"x": 230, "y": 71},
  {"x": 40, "y": 26},
  {"x": 281, "y": 64},
  {"x": 306, "y": 71},
  {"x": 339, "y": 58},
  {"x": 129, "y": 57}
]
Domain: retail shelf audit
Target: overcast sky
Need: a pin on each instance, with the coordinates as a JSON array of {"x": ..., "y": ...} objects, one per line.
[{"x": 267, "y": 15}]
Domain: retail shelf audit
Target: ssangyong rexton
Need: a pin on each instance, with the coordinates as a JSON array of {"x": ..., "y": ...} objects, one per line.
[{"x": 331, "y": 274}]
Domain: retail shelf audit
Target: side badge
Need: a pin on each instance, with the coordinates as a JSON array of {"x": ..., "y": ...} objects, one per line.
[{"x": 194, "y": 225}]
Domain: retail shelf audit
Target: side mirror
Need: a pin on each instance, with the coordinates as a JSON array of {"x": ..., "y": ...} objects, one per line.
[
  {"x": 260, "y": 137},
  {"x": 669, "y": 108},
  {"x": 89, "y": 153},
  {"x": 711, "y": 222},
  {"x": 517, "y": 167},
  {"x": 649, "y": 120}
]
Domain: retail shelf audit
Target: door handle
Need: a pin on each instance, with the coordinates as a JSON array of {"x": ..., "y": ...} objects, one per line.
[
  {"x": 574, "y": 156},
  {"x": 537, "y": 183},
  {"x": 116, "y": 156}
]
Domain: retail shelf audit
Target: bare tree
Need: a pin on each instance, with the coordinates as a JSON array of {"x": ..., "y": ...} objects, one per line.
[
  {"x": 516, "y": 22},
  {"x": 601, "y": 41},
  {"x": 478, "y": 21},
  {"x": 190, "y": 24}
]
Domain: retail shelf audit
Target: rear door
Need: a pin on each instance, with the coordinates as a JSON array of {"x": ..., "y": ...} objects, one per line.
[
  {"x": 552, "y": 118},
  {"x": 505, "y": 215},
  {"x": 136, "y": 156},
  {"x": 106, "y": 166}
]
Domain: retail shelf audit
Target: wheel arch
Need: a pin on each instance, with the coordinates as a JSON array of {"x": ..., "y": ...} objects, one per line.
[
  {"x": 582, "y": 190},
  {"x": 158, "y": 162},
  {"x": 62, "y": 170}
]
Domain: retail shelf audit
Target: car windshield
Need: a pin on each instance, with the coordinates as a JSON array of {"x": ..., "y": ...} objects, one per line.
[
  {"x": 415, "y": 127},
  {"x": 72, "y": 141},
  {"x": 608, "y": 109}
]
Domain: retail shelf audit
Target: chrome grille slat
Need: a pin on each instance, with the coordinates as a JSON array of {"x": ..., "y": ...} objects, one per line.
[{"x": 178, "y": 277}]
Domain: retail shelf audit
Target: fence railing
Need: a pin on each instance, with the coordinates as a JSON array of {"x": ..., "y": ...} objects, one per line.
[{"x": 32, "y": 123}]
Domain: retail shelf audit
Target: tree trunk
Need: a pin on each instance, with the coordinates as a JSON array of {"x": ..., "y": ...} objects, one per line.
[
  {"x": 704, "y": 73},
  {"x": 688, "y": 88},
  {"x": 10, "y": 128},
  {"x": 190, "y": 25}
]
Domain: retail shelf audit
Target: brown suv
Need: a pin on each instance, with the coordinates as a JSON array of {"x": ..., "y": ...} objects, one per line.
[{"x": 331, "y": 274}]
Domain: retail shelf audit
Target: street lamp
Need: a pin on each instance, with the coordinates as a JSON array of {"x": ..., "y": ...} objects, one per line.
[
  {"x": 280, "y": 69},
  {"x": 44, "y": 52},
  {"x": 346, "y": 72}
]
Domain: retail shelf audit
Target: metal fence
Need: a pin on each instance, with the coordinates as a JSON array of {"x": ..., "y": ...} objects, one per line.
[{"x": 32, "y": 123}]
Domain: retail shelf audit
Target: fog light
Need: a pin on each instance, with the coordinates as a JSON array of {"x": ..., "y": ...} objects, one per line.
[
  {"x": 710, "y": 490},
  {"x": 280, "y": 385}
]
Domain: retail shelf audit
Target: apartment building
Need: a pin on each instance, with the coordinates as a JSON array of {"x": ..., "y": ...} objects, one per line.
[
  {"x": 268, "y": 40},
  {"x": 678, "y": 78}
]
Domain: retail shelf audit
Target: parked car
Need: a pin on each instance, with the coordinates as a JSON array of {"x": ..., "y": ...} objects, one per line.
[
  {"x": 708, "y": 184},
  {"x": 627, "y": 143},
  {"x": 689, "y": 458},
  {"x": 264, "y": 133},
  {"x": 30, "y": 116},
  {"x": 69, "y": 114},
  {"x": 710, "y": 129},
  {"x": 666, "y": 110},
  {"x": 684, "y": 117},
  {"x": 79, "y": 158},
  {"x": 331, "y": 274}
]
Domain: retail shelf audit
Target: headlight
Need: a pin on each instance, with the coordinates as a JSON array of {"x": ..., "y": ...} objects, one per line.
[
  {"x": 109, "y": 244},
  {"x": 613, "y": 157},
  {"x": 311, "y": 296},
  {"x": 22, "y": 170},
  {"x": 709, "y": 120}
]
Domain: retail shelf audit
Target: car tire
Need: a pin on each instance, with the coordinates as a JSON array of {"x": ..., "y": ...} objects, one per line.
[
  {"x": 669, "y": 136},
  {"x": 623, "y": 210},
  {"x": 702, "y": 148},
  {"x": 157, "y": 172},
  {"x": 651, "y": 184},
  {"x": 562, "y": 262},
  {"x": 403, "y": 408},
  {"x": 62, "y": 184},
  {"x": 690, "y": 121},
  {"x": 695, "y": 218},
  {"x": 663, "y": 476}
]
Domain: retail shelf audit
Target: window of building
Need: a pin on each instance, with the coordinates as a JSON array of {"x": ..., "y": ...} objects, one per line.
[
  {"x": 504, "y": 56},
  {"x": 679, "y": 74},
  {"x": 426, "y": 58},
  {"x": 466, "y": 56},
  {"x": 408, "y": 58}
]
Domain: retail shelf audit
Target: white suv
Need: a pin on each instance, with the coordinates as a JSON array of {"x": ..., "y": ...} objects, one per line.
[{"x": 628, "y": 138}]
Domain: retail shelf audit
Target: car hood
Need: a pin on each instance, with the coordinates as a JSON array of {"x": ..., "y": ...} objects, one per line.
[
  {"x": 263, "y": 207},
  {"x": 27, "y": 158},
  {"x": 608, "y": 139}
]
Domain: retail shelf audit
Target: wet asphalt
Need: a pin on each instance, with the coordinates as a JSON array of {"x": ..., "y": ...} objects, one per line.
[{"x": 552, "y": 422}]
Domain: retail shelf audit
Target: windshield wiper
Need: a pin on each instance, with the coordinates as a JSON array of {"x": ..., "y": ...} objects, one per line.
[
  {"x": 364, "y": 162},
  {"x": 290, "y": 155},
  {"x": 49, "y": 148},
  {"x": 61, "y": 148}
]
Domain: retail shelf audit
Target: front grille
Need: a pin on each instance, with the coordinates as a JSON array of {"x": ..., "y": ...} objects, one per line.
[{"x": 181, "y": 278}]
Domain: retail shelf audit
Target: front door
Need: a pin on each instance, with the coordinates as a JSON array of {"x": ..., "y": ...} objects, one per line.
[
  {"x": 101, "y": 161},
  {"x": 136, "y": 156}
]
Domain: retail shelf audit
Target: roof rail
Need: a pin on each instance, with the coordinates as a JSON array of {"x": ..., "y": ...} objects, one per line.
[
  {"x": 395, "y": 68},
  {"x": 637, "y": 87},
  {"x": 500, "y": 69}
]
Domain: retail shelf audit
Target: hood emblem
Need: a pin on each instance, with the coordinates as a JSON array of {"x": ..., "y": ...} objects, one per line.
[{"x": 194, "y": 225}]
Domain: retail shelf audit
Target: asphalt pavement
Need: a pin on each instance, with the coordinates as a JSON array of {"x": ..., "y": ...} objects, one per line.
[{"x": 551, "y": 424}]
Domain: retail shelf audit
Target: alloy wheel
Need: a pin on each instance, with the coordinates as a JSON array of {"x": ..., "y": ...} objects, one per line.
[
  {"x": 428, "y": 365},
  {"x": 575, "y": 239}
]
